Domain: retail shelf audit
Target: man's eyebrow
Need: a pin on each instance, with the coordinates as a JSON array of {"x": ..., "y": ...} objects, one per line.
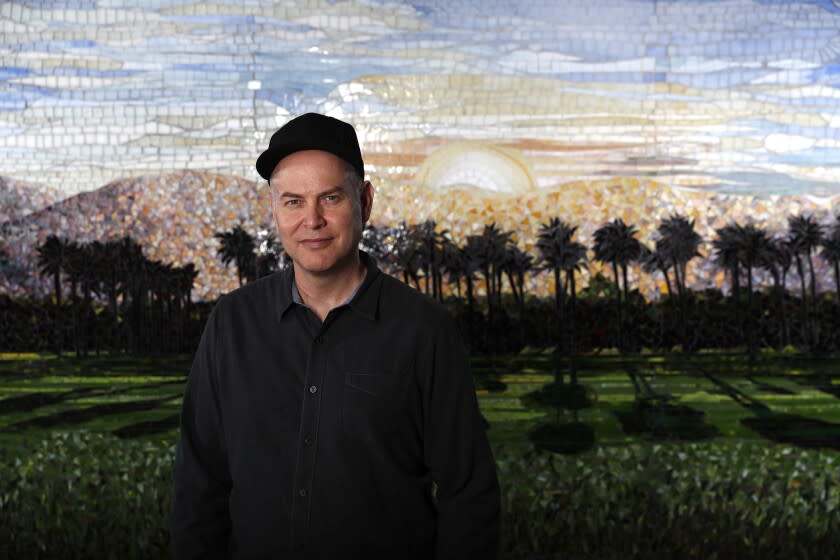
[{"x": 288, "y": 194}]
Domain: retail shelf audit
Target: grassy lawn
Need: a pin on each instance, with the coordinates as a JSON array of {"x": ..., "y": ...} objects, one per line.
[{"x": 141, "y": 397}]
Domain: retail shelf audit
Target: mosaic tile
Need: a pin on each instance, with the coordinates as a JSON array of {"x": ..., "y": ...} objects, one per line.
[{"x": 624, "y": 109}]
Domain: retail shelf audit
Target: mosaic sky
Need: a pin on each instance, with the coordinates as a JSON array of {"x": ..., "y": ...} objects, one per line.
[{"x": 735, "y": 97}]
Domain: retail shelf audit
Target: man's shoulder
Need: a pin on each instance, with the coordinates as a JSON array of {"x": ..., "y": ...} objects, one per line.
[
  {"x": 256, "y": 294},
  {"x": 402, "y": 299}
]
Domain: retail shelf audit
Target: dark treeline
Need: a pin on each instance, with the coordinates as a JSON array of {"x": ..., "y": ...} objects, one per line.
[{"x": 107, "y": 295}]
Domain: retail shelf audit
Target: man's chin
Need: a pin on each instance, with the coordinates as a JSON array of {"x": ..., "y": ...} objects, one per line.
[{"x": 317, "y": 267}]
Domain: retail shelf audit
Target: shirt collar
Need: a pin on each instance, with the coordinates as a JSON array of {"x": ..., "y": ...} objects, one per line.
[{"x": 365, "y": 299}]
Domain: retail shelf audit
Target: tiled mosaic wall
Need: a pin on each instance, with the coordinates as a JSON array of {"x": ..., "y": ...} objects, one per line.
[{"x": 469, "y": 112}]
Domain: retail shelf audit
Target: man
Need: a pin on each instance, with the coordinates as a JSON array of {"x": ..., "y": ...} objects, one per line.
[{"x": 324, "y": 401}]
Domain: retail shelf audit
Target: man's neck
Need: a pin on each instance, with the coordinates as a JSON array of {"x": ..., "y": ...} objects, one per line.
[{"x": 322, "y": 293}]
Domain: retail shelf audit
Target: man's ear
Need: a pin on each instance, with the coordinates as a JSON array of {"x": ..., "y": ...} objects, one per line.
[{"x": 366, "y": 201}]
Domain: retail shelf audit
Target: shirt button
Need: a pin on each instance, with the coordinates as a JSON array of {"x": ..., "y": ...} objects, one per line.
[
  {"x": 307, "y": 440},
  {"x": 313, "y": 389},
  {"x": 302, "y": 492}
]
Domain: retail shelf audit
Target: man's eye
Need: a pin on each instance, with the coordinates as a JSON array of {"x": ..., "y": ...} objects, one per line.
[
  {"x": 292, "y": 202},
  {"x": 331, "y": 198}
]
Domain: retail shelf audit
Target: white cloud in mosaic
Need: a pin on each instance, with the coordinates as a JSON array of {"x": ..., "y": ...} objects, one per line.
[
  {"x": 188, "y": 65},
  {"x": 554, "y": 63},
  {"x": 781, "y": 143},
  {"x": 698, "y": 65}
]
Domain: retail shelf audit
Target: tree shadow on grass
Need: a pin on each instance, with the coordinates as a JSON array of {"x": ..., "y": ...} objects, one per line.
[
  {"x": 821, "y": 383},
  {"x": 780, "y": 427},
  {"x": 82, "y": 415},
  {"x": 31, "y": 401},
  {"x": 653, "y": 414},
  {"x": 765, "y": 387}
]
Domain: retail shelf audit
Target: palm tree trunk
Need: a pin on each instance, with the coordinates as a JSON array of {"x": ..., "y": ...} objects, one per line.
[
  {"x": 488, "y": 287},
  {"x": 498, "y": 276},
  {"x": 736, "y": 298},
  {"x": 470, "y": 310},
  {"x": 521, "y": 282},
  {"x": 570, "y": 274},
  {"x": 667, "y": 282},
  {"x": 59, "y": 330},
  {"x": 782, "y": 293},
  {"x": 626, "y": 294},
  {"x": 679, "y": 280},
  {"x": 813, "y": 281},
  {"x": 513, "y": 286},
  {"x": 74, "y": 304},
  {"x": 618, "y": 306},
  {"x": 780, "y": 303},
  {"x": 560, "y": 306},
  {"x": 837, "y": 279},
  {"x": 806, "y": 325},
  {"x": 750, "y": 313},
  {"x": 86, "y": 317},
  {"x": 815, "y": 323}
]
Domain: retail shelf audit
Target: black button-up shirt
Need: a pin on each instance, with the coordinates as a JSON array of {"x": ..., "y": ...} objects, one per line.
[{"x": 303, "y": 439}]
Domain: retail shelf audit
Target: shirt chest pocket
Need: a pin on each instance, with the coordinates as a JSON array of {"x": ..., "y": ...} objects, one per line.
[{"x": 370, "y": 403}]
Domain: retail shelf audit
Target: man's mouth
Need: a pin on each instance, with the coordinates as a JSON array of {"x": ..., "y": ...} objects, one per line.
[{"x": 315, "y": 243}]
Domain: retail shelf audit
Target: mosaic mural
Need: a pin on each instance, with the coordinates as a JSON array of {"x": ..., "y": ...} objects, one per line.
[{"x": 146, "y": 118}]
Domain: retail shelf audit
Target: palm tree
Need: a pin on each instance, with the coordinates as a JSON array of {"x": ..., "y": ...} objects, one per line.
[
  {"x": 678, "y": 243},
  {"x": 133, "y": 268},
  {"x": 427, "y": 237},
  {"x": 831, "y": 252},
  {"x": 488, "y": 249},
  {"x": 652, "y": 262},
  {"x": 616, "y": 244},
  {"x": 553, "y": 240},
  {"x": 485, "y": 253},
  {"x": 51, "y": 261},
  {"x": 469, "y": 253},
  {"x": 754, "y": 249},
  {"x": 452, "y": 263},
  {"x": 74, "y": 264},
  {"x": 88, "y": 272},
  {"x": 655, "y": 261},
  {"x": 109, "y": 256},
  {"x": 561, "y": 255},
  {"x": 407, "y": 254},
  {"x": 775, "y": 258},
  {"x": 805, "y": 234},
  {"x": 237, "y": 246},
  {"x": 185, "y": 278},
  {"x": 517, "y": 263},
  {"x": 727, "y": 255}
]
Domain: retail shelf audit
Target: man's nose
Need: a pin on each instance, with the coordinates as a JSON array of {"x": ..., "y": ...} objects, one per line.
[{"x": 314, "y": 216}]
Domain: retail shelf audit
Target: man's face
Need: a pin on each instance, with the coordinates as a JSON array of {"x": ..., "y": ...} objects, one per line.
[{"x": 319, "y": 223}]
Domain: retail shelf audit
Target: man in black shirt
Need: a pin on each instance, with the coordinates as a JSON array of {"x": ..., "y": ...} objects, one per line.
[{"x": 324, "y": 401}]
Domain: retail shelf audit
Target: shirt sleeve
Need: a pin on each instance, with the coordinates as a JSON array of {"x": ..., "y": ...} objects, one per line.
[
  {"x": 458, "y": 454},
  {"x": 199, "y": 520}
]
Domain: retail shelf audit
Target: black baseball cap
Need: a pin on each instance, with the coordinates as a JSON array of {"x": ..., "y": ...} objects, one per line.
[{"x": 312, "y": 132}]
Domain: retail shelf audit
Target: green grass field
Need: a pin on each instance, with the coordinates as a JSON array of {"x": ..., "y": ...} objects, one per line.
[{"x": 736, "y": 400}]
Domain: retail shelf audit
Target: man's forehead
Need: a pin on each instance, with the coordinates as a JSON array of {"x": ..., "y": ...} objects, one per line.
[{"x": 309, "y": 160}]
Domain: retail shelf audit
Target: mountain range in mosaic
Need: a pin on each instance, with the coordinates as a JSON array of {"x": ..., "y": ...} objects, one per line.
[{"x": 174, "y": 217}]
